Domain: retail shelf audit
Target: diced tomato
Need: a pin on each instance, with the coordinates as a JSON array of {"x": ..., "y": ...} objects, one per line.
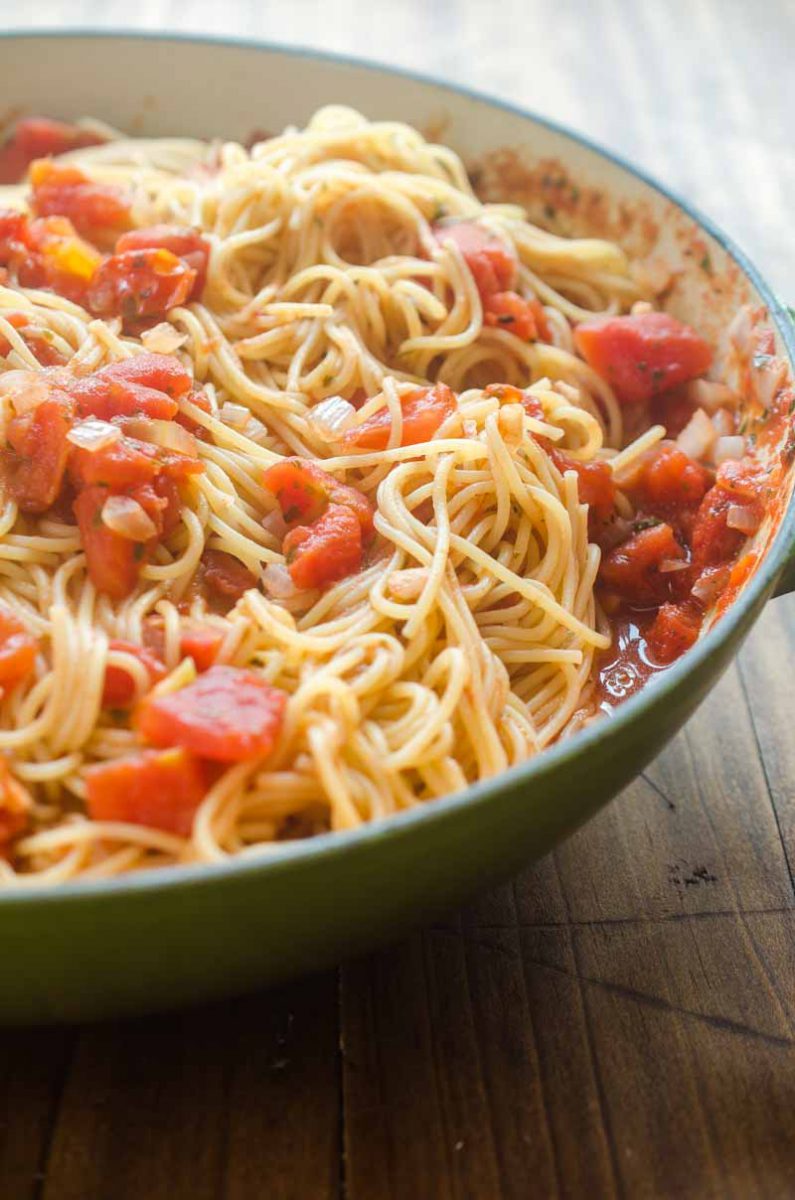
[
  {"x": 641, "y": 356},
  {"x": 125, "y": 463},
  {"x": 493, "y": 267},
  {"x": 37, "y": 453},
  {"x": 161, "y": 372},
  {"x": 38, "y": 137},
  {"x": 165, "y": 490},
  {"x": 424, "y": 410},
  {"x": 104, "y": 397},
  {"x": 97, "y": 210},
  {"x": 673, "y": 410},
  {"x": 35, "y": 339},
  {"x": 140, "y": 285},
  {"x": 227, "y": 714},
  {"x": 674, "y": 629},
  {"x": 746, "y": 480},
  {"x": 188, "y": 244},
  {"x": 713, "y": 542},
  {"x": 54, "y": 256},
  {"x": 18, "y": 650},
  {"x": 226, "y": 575},
  {"x": 201, "y": 642},
  {"x": 114, "y": 562},
  {"x": 158, "y": 788},
  {"x": 670, "y": 479},
  {"x": 321, "y": 554},
  {"x": 304, "y": 491},
  {"x": 595, "y": 484},
  {"x": 119, "y": 690},
  {"x": 14, "y": 806},
  {"x": 632, "y": 570},
  {"x": 509, "y": 311}
]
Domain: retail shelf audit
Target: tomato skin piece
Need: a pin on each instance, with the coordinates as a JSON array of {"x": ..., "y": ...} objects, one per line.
[
  {"x": 14, "y": 806},
  {"x": 595, "y": 484},
  {"x": 674, "y": 630},
  {"x": 323, "y": 553},
  {"x": 188, "y": 244},
  {"x": 119, "y": 689},
  {"x": 61, "y": 190},
  {"x": 424, "y": 410},
  {"x": 632, "y": 570},
  {"x": 227, "y": 714},
  {"x": 39, "y": 137},
  {"x": 672, "y": 480},
  {"x": 18, "y": 650},
  {"x": 510, "y": 311},
  {"x": 641, "y": 356},
  {"x": 493, "y": 268},
  {"x": 226, "y": 575},
  {"x": 304, "y": 491},
  {"x": 37, "y": 454},
  {"x": 140, "y": 285},
  {"x": 158, "y": 788}
]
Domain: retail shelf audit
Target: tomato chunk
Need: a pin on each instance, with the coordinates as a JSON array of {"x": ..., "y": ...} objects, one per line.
[
  {"x": 114, "y": 562},
  {"x": 632, "y": 570},
  {"x": 37, "y": 453},
  {"x": 58, "y": 259},
  {"x": 227, "y": 714},
  {"x": 674, "y": 629},
  {"x": 671, "y": 479},
  {"x": 188, "y": 244},
  {"x": 226, "y": 575},
  {"x": 509, "y": 311},
  {"x": 14, "y": 806},
  {"x": 321, "y": 554},
  {"x": 18, "y": 650},
  {"x": 424, "y": 410},
  {"x": 159, "y": 788},
  {"x": 162, "y": 372},
  {"x": 642, "y": 355},
  {"x": 140, "y": 285},
  {"x": 119, "y": 689},
  {"x": 105, "y": 397},
  {"x": 201, "y": 642},
  {"x": 123, "y": 464},
  {"x": 492, "y": 265},
  {"x": 304, "y": 491},
  {"x": 95, "y": 209},
  {"x": 713, "y": 541},
  {"x": 595, "y": 484},
  {"x": 38, "y": 137}
]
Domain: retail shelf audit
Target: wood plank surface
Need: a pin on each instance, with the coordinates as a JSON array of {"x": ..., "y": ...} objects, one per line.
[{"x": 619, "y": 1021}]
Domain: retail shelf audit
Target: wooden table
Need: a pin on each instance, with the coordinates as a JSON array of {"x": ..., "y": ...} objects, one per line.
[{"x": 618, "y": 1021}]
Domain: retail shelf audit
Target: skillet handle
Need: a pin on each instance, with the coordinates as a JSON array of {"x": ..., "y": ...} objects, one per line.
[{"x": 786, "y": 580}]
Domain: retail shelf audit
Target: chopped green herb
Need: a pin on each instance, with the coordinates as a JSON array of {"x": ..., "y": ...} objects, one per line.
[
  {"x": 327, "y": 379},
  {"x": 706, "y": 264},
  {"x": 575, "y": 194},
  {"x": 549, "y": 212},
  {"x": 506, "y": 319},
  {"x": 643, "y": 366},
  {"x": 657, "y": 375},
  {"x": 645, "y": 523},
  {"x": 138, "y": 551}
]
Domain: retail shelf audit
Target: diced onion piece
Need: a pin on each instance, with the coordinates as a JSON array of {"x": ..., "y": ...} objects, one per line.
[
  {"x": 274, "y": 522},
  {"x": 669, "y": 565},
  {"x": 166, "y": 434},
  {"x": 255, "y": 430},
  {"x": 93, "y": 435},
  {"x": 726, "y": 448},
  {"x": 709, "y": 583},
  {"x": 743, "y": 518},
  {"x": 330, "y": 418},
  {"x": 163, "y": 338},
  {"x": 768, "y": 379},
  {"x": 724, "y": 422},
  {"x": 277, "y": 582},
  {"x": 711, "y": 395},
  {"x": 739, "y": 330},
  {"x": 126, "y": 517},
  {"x": 469, "y": 428},
  {"x": 24, "y": 390},
  {"x": 510, "y": 420},
  {"x": 698, "y": 436},
  {"x": 235, "y": 415},
  {"x": 641, "y": 307},
  {"x": 408, "y": 584}
]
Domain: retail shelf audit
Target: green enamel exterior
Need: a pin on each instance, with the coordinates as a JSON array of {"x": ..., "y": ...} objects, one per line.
[{"x": 164, "y": 939}]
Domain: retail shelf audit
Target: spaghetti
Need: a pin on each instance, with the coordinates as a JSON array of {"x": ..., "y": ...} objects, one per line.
[{"x": 423, "y": 613}]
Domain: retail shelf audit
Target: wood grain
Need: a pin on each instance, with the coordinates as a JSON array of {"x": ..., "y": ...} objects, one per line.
[{"x": 619, "y": 1021}]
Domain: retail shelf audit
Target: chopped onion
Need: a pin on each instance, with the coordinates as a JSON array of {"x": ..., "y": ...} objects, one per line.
[
  {"x": 726, "y": 448},
  {"x": 331, "y": 417},
  {"x": 277, "y": 581},
  {"x": 510, "y": 420},
  {"x": 24, "y": 390},
  {"x": 93, "y": 435},
  {"x": 768, "y": 379},
  {"x": 739, "y": 330},
  {"x": 273, "y": 522},
  {"x": 235, "y": 415},
  {"x": 641, "y": 307},
  {"x": 711, "y": 395},
  {"x": 698, "y": 436},
  {"x": 166, "y": 434},
  {"x": 470, "y": 428},
  {"x": 408, "y": 584},
  {"x": 668, "y": 565},
  {"x": 724, "y": 422},
  {"x": 255, "y": 430},
  {"x": 163, "y": 339},
  {"x": 125, "y": 516},
  {"x": 743, "y": 518},
  {"x": 709, "y": 583}
]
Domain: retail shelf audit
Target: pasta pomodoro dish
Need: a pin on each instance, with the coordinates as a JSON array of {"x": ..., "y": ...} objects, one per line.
[{"x": 328, "y": 490}]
